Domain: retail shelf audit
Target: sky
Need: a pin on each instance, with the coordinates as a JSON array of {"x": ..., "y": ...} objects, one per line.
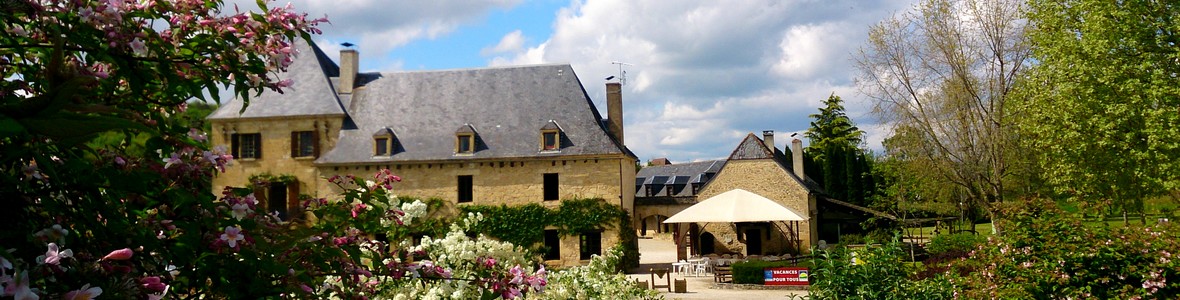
[{"x": 700, "y": 75}]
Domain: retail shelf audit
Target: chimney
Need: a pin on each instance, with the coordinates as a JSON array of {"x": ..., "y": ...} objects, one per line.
[
  {"x": 768, "y": 139},
  {"x": 614, "y": 109},
  {"x": 348, "y": 68},
  {"x": 797, "y": 157}
]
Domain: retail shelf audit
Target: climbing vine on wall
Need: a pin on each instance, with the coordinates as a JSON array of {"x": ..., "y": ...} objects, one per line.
[
  {"x": 265, "y": 179},
  {"x": 525, "y": 225}
]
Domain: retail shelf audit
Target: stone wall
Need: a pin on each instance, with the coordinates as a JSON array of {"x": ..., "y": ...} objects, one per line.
[
  {"x": 767, "y": 178},
  {"x": 514, "y": 182},
  {"x": 511, "y": 181},
  {"x": 276, "y": 150}
]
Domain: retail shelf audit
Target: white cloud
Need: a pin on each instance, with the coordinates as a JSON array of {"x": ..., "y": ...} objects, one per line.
[
  {"x": 512, "y": 42},
  {"x": 379, "y": 26},
  {"x": 706, "y": 73}
]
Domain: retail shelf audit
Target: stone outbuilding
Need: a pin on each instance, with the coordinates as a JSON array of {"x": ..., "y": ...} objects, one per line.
[{"x": 755, "y": 165}]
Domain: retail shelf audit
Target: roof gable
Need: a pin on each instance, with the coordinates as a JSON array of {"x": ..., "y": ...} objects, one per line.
[
  {"x": 311, "y": 92},
  {"x": 751, "y": 148}
]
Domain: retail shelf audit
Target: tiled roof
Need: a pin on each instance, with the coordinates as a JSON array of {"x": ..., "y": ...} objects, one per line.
[{"x": 311, "y": 94}]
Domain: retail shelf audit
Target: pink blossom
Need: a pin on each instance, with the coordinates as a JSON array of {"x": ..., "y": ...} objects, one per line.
[
  {"x": 153, "y": 283},
  {"x": 232, "y": 235},
  {"x": 174, "y": 159},
  {"x": 138, "y": 47},
  {"x": 19, "y": 288},
  {"x": 100, "y": 70},
  {"x": 196, "y": 135},
  {"x": 240, "y": 211},
  {"x": 4, "y": 263},
  {"x": 538, "y": 281},
  {"x": 121, "y": 254},
  {"x": 53, "y": 256},
  {"x": 17, "y": 30},
  {"x": 160, "y": 295},
  {"x": 517, "y": 275},
  {"x": 285, "y": 83},
  {"x": 87, "y": 14},
  {"x": 32, "y": 172},
  {"x": 85, "y": 293},
  {"x": 511, "y": 293}
]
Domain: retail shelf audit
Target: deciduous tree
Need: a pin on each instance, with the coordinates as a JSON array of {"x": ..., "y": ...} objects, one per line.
[
  {"x": 947, "y": 70},
  {"x": 1102, "y": 102}
]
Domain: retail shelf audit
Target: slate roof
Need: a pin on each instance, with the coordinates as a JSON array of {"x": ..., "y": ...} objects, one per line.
[
  {"x": 675, "y": 178},
  {"x": 507, "y": 107},
  {"x": 311, "y": 94}
]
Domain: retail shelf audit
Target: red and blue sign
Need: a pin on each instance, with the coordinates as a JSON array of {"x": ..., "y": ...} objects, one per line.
[{"x": 785, "y": 276}]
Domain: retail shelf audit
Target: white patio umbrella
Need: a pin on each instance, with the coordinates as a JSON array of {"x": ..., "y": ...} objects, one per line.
[{"x": 737, "y": 205}]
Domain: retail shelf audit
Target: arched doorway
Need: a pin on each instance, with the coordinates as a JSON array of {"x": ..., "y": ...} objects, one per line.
[{"x": 707, "y": 243}]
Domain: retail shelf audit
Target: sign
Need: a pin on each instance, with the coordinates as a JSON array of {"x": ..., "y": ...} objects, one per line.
[{"x": 785, "y": 276}]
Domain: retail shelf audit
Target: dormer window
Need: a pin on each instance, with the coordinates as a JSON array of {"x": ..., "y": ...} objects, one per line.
[
  {"x": 465, "y": 139},
  {"x": 383, "y": 142},
  {"x": 551, "y": 136}
]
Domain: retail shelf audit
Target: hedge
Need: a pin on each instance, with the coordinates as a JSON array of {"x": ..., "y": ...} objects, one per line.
[{"x": 751, "y": 272}]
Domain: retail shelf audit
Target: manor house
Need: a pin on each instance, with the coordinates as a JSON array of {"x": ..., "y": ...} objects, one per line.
[{"x": 487, "y": 136}]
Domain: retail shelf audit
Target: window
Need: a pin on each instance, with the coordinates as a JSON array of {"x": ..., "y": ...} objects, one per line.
[
  {"x": 464, "y": 143},
  {"x": 549, "y": 140},
  {"x": 591, "y": 243},
  {"x": 304, "y": 144},
  {"x": 465, "y": 192},
  {"x": 552, "y": 245},
  {"x": 551, "y": 136},
  {"x": 551, "y": 184},
  {"x": 380, "y": 146},
  {"x": 384, "y": 143},
  {"x": 465, "y": 139},
  {"x": 246, "y": 146}
]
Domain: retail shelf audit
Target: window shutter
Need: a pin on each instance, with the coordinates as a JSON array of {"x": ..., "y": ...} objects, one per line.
[
  {"x": 315, "y": 143},
  {"x": 258, "y": 145},
  {"x": 294, "y": 144},
  {"x": 234, "y": 146},
  {"x": 293, "y": 207}
]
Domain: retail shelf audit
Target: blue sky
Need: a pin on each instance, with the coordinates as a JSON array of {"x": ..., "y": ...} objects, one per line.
[
  {"x": 705, "y": 73},
  {"x": 463, "y": 47}
]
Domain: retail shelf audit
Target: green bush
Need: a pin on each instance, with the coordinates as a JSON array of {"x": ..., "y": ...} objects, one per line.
[
  {"x": 751, "y": 272},
  {"x": 874, "y": 272},
  {"x": 958, "y": 242}
]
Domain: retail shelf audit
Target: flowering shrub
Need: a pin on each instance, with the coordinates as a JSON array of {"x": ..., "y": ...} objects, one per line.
[
  {"x": 956, "y": 242},
  {"x": 1048, "y": 253},
  {"x": 597, "y": 280}
]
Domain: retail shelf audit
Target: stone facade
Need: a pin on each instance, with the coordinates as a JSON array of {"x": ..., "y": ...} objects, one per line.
[
  {"x": 420, "y": 111},
  {"x": 768, "y": 178},
  {"x": 507, "y": 181},
  {"x": 276, "y": 151}
]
